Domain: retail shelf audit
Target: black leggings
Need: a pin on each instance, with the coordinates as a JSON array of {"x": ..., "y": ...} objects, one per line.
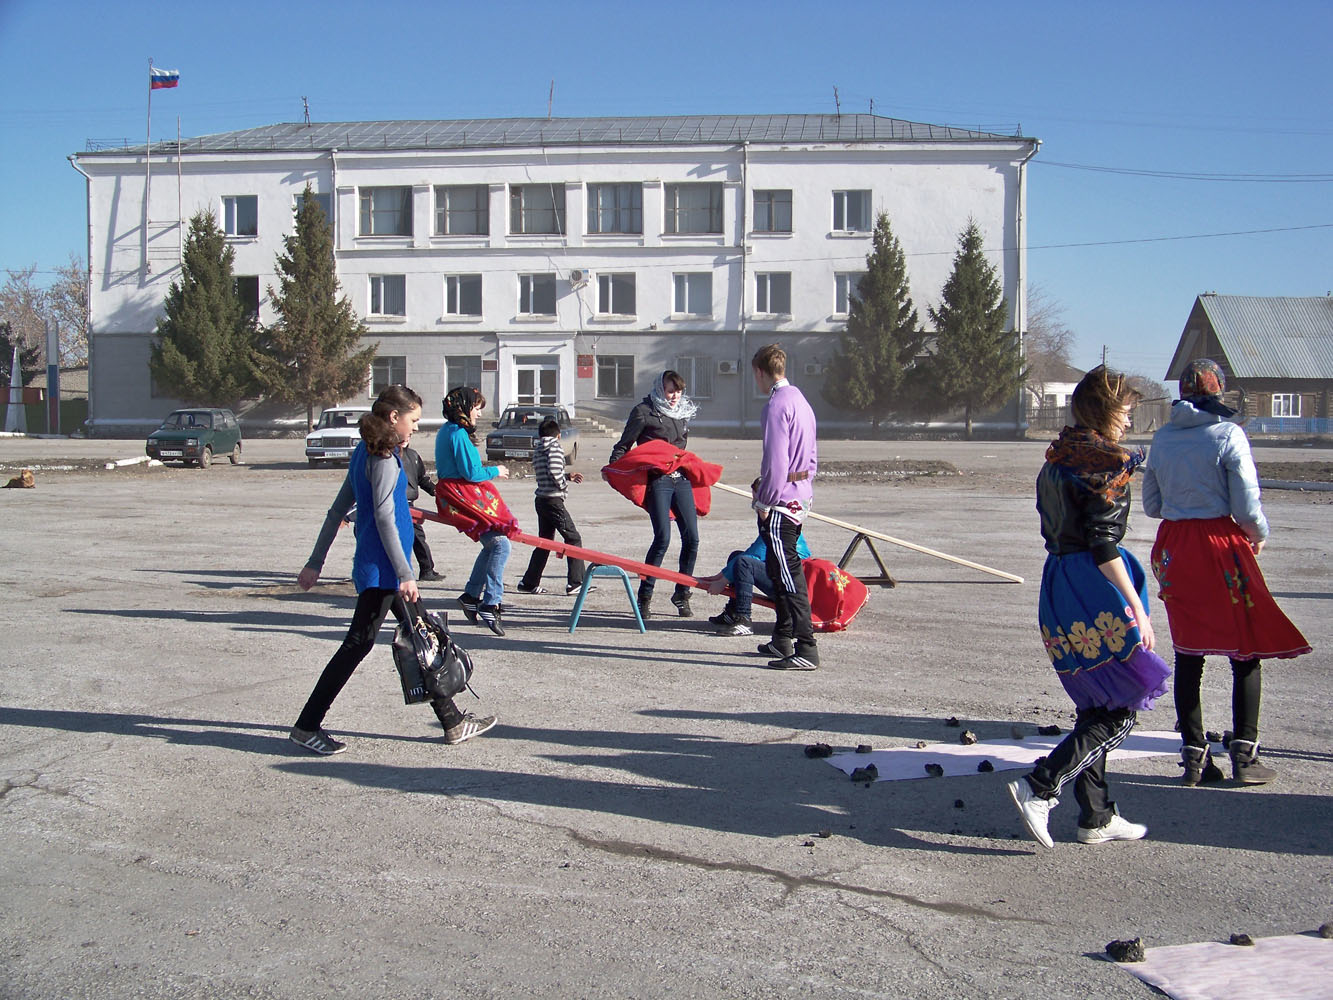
[
  {"x": 1246, "y": 685},
  {"x": 372, "y": 606}
]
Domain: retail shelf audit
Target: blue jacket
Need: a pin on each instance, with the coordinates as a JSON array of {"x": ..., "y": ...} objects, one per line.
[
  {"x": 758, "y": 550},
  {"x": 456, "y": 457},
  {"x": 372, "y": 565},
  {"x": 1200, "y": 467}
]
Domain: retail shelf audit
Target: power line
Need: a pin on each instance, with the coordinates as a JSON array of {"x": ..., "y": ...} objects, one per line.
[{"x": 1184, "y": 175}]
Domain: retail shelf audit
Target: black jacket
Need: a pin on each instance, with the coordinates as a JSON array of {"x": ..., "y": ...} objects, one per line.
[
  {"x": 1076, "y": 519},
  {"x": 417, "y": 476},
  {"x": 647, "y": 424}
]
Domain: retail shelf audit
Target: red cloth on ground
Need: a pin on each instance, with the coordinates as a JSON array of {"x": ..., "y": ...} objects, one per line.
[
  {"x": 1216, "y": 599},
  {"x": 835, "y": 595},
  {"x": 629, "y": 476},
  {"x": 474, "y": 508}
]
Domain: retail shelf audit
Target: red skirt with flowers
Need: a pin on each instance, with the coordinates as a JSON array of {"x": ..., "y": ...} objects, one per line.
[{"x": 1217, "y": 602}]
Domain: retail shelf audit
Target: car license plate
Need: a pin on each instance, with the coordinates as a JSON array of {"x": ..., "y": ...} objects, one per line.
[
  {"x": 171, "y": 454},
  {"x": 336, "y": 453},
  {"x": 518, "y": 453}
]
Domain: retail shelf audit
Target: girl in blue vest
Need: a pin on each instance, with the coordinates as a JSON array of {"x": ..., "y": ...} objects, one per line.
[{"x": 377, "y": 486}]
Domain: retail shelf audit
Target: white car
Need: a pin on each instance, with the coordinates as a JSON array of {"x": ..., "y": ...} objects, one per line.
[{"x": 336, "y": 435}]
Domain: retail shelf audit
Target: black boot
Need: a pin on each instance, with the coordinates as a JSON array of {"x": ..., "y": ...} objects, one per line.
[
  {"x": 1199, "y": 766},
  {"x": 1245, "y": 766}
]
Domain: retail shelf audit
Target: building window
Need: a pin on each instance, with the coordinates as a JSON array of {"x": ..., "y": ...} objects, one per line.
[
  {"x": 772, "y": 211},
  {"x": 845, "y": 285},
  {"x": 851, "y": 211},
  {"x": 693, "y": 294},
  {"x": 536, "y": 294},
  {"x": 615, "y": 208},
  {"x": 388, "y": 295},
  {"x": 463, "y": 210},
  {"x": 462, "y": 294},
  {"x": 772, "y": 292},
  {"x": 324, "y": 201},
  {"x": 240, "y": 215},
  {"x": 615, "y": 376},
  {"x": 615, "y": 294},
  {"x": 694, "y": 208},
  {"x": 386, "y": 211},
  {"x": 387, "y": 370},
  {"x": 698, "y": 375},
  {"x": 1286, "y": 404},
  {"x": 537, "y": 209},
  {"x": 462, "y": 369},
  {"x": 247, "y": 290}
]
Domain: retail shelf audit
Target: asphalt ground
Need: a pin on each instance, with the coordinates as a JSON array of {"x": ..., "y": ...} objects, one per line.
[{"x": 643, "y": 821}]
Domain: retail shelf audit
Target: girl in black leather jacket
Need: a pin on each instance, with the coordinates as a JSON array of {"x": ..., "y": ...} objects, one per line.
[{"x": 1093, "y": 610}]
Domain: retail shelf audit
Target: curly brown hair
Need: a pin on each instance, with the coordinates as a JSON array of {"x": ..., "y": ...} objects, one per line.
[{"x": 377, "y": 428}]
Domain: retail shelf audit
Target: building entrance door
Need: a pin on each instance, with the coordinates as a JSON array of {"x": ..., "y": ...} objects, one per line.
[{"x": 536, "y": 382}]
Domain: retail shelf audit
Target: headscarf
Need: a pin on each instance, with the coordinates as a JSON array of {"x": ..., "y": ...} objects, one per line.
[
  {"x": 459, "y": 404},
  {"x": 684, "y": 409},
  {"x": 1101, "y": 465},
  {"x": 1202, "y": 383}
]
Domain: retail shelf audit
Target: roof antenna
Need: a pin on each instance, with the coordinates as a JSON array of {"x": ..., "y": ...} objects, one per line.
[
  {"x": 872, "y": 107},
  {"x": 837, "y": 105},
  {"x": 306, "y": 104},
  {"x": 550, "y": 99}
]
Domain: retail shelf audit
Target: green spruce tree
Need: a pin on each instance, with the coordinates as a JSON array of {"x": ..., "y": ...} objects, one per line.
[
  {"x": 310, "y": 356},
  {"x": 205, "y": 338},
  {"x": 873, "y": 371},
  {"x": 977, "y": 363},
  {"x": 30, "y": 358}
]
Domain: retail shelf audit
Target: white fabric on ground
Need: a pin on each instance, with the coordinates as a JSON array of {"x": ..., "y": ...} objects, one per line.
[
  {"x": 900, "y": 763},
  {"x": 1294, "y": 967}
]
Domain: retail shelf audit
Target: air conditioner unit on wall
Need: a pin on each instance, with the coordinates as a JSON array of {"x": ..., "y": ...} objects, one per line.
[
  {"x": 579, "y": 276},
  {"x": 726, "y": 368}
]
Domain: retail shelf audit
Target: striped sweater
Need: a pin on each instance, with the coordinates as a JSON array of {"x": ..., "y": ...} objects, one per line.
[{"x": 548, "y": 463}]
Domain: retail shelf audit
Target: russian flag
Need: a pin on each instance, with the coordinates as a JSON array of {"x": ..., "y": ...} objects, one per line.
[{"x": 160, "y": 79}]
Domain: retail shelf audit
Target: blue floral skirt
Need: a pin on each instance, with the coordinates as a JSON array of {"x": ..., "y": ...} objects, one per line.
[{"x": 1092, "y": 638}]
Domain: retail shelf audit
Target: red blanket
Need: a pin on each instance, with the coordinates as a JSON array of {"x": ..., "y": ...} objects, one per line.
[
  {"x": 473, "y": 508},
  {"x": 835, "y": 595},
  {"x": 629, "y": 476}
]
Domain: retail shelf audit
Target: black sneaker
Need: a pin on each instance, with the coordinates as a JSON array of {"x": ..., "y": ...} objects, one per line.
[
  {"x": 740, "y": 625},
  {"x": 525, "y": 589},
  {"x": 430, "y": 576},
  {"x": 776, "y": 648},
  {"x": 574, "y": 588},
  {"x": 682, "y": 603},
  {"x": 724, "y": 619},
  {"x": 794, "y": 662},
  {"x": 489, "y": 614},
  {"x": 645, "y": 608},
  {"x": 318, "y": 741},
  {"x": 468, "y": 727},
  {"x": 469, "y": 604}
]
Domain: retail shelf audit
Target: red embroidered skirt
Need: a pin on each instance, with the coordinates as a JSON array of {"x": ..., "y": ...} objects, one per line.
[{"x": 1217, "y": 602}]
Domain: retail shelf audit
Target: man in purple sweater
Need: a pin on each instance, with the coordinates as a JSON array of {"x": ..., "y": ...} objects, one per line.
[{"x": 782, "y": 498}]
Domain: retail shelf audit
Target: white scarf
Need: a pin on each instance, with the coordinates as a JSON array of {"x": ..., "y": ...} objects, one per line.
[{"x": 684, "y": 409}]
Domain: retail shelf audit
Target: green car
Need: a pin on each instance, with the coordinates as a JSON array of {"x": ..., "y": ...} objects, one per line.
[{"x": 193, "y": 437}]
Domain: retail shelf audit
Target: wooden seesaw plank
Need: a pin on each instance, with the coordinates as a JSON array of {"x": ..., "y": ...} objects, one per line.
[{"x": 870, "y": 533}]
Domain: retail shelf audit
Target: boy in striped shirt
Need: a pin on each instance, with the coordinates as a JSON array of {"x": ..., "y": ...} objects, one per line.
[{"x": 548, "y": 463}]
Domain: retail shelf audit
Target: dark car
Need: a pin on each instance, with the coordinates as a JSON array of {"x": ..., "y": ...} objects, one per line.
[
  {"x": 516, "y": 431},
  {"x": 194, "y": 436}
]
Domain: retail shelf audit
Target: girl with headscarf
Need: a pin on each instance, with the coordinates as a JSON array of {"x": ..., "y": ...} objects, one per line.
[
  {"x": 1201, "y": 480},
  {"x": 664, "y": 415},
  {"x": 457, "y": 458},
  {"x": 1093, "y": 611}
]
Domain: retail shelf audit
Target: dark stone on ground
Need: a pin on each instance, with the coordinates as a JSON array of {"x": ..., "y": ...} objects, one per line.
[
  {"x": 934, "y": 770},
  {"x": 864, "y": 748},
  {"x": 958, "y": 803},
  {"x": 985, "y": 767},
  {"x": 1244, "y": 940},
  {"x": 1326, "y": 930},
  {"x": 1049, "y": 730},
  {"x": 1127, "y": 951},
  {"x": 867, "y": 774},
  {"x": 967, "y": 737},
  {"x": 952, "y": 721},
  {"x": 819, "y": 750}
]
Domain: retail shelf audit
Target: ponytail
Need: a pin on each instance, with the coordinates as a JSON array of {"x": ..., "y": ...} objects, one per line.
[{"x": 376, "y": 427}]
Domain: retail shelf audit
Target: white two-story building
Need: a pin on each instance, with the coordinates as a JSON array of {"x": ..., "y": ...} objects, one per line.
[{"x": 558, "y": 261}]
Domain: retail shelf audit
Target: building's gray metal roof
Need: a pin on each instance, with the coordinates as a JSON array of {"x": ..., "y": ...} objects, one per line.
[
  {"x": 499, "y": 132},
  {"x": 1271, "y": 337}
]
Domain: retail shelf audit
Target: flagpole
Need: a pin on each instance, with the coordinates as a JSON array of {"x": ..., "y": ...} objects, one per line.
[{"x": 148, "y": 164}]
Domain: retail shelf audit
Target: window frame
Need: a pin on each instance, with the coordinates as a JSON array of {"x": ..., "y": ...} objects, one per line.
[
  {"x": 698, "y": 371},
  {"x": 469, "y": 363},
  {"x": 842, "y": 288},
  {"x": 621, "y": 363},
  {"x": 609, "y": 301},
  {"x": 673, "y": 212},
  {"x": 528, "y": 291},
  {"x": 454, "y": 289},
  {"x": 764, "y": 288},
  {"x": 840, "y": 208},
  {"x": 395, "y": 372},
  {"x": 480, "y": 212},
  {"x": 231, "y": 215},
  {"x": 367, "y": 211},
  {"x": 258, "y": 296},
  {"x": 597, "y": 213},
  {"x": 376, "y": 296},
  {"x": 680, "y": 292},
  {"x": 772, "y": 208},
  {"x": 1290, "y": 405},
  {"x": 521, "y": 213}
]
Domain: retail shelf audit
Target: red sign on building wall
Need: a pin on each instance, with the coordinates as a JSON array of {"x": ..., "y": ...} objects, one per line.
[{"x": 586, "y": 363}]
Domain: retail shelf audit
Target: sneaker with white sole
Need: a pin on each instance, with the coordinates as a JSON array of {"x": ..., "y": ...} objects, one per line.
[
  {"x": 469, "y": 604},
  {"x": 795, "y": 661},
  {"x": 740, "y": 625},
  {"x": 317, "y": 740},
  {"x": 489, "y": 615},
  {"x": 468, "y": 727},
  {"x": 1116, "y": 828},
  {"x": 574, "y": 588},
  {"x": 525, "y": 589},
  {"x": 1035, "y": 810},
  {"x": 776, "y": 648}
]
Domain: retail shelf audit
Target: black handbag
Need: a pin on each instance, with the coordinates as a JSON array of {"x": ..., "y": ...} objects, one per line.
[{"x": 430, "y": 664}]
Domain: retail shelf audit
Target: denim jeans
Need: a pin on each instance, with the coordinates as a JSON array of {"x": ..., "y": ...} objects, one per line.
[
  {"x": 748, "y": 575},
  {"x": 487, "y": 572},
  {"x": 666, "y": 494}
]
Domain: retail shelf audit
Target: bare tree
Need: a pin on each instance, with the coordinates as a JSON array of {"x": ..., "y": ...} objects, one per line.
[
  {"x": 67, "y": 305},
  {"x": 23, "y": 306},
  {"x": 1048, "y": 343}
]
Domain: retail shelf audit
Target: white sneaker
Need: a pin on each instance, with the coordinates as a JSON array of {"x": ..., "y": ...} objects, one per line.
[
  {"x": 1036, "y": 811},
  {"x": 1117, "y": 828}
]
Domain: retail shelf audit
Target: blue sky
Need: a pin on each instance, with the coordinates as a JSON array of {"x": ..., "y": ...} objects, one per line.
[{"x": 1172, "y": 132}]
